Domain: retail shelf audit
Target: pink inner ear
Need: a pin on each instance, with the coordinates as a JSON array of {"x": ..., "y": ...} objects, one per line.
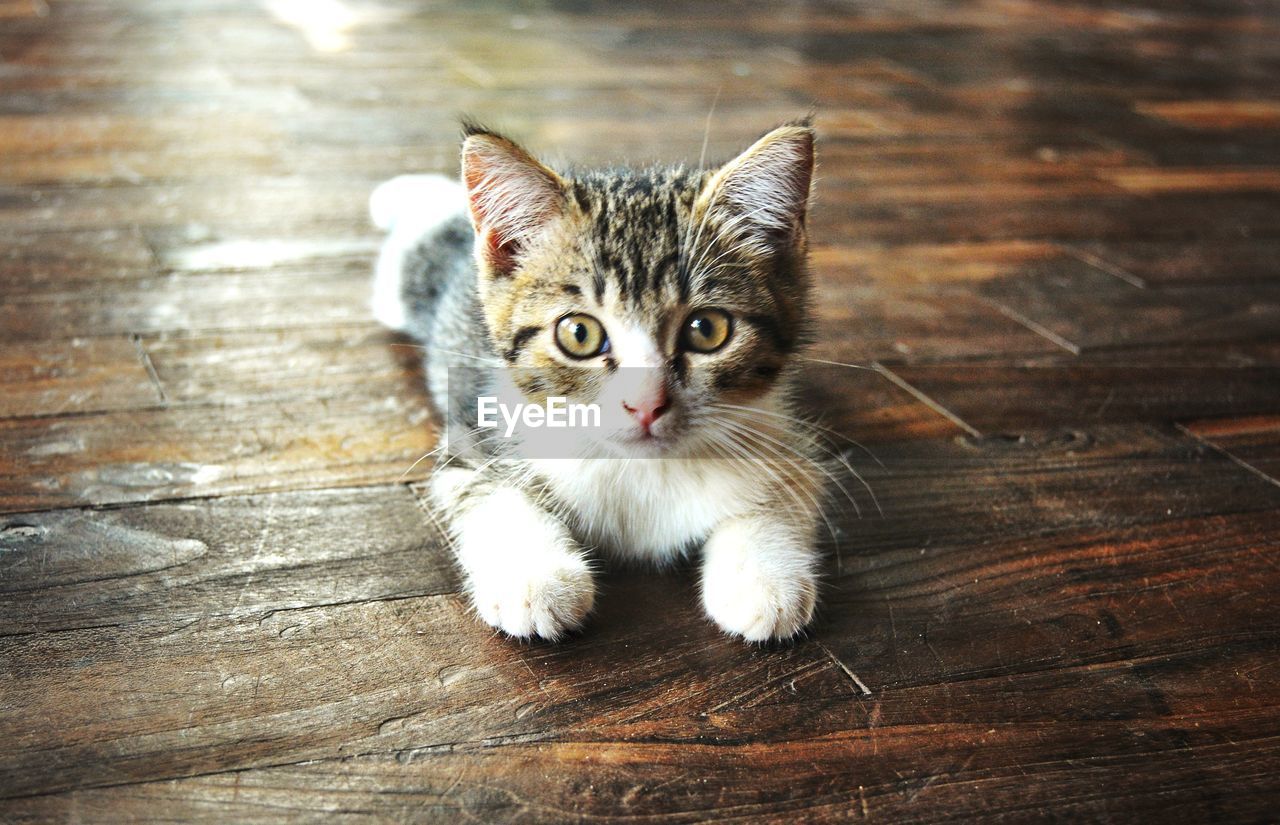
[
  {"x": 485, "y": 218},
  {"x": 512, "y": 198}
]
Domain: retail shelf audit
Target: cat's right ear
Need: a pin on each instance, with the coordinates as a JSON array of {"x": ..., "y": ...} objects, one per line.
[{"x": 513, "y": 198}]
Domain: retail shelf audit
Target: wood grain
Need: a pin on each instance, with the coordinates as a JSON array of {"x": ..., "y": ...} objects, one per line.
[
  {"x": 1156, "y": 181},
  {"x": 150, "y": 455},
  {"x": 927, "y": 263},
  {"x": 234, "y": 556},
  {"x": 74, "y": 376},
  {"x": 1009, "y": 398},
  {"x": 847, "y": 776},
  {"x": 1046, "y": 364},
  {"x": 867, "y": 323},
  {"x": 253, "y": 366},
  {"x": 1253, "y": 441},
  {"x": 44, "y": 259},
  {"x": 962, "y": 492},
  {"x": 1089, "y": 307},
  {"x": 1174, "y": 263},
  {"x": 1225, "y": 115},
  {"x": 415, "y": 673},
  {"x": 326, "y": 293}
]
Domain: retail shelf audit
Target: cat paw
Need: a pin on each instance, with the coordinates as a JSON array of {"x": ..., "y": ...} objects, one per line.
[
  {"x": 546, "y": 602},
  {"x": 759, "y": 605}
]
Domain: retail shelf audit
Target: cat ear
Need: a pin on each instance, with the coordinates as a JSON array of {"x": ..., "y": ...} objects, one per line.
[
  {"x": 512, "y": 197},
  {"x": 760, "y": 197}
]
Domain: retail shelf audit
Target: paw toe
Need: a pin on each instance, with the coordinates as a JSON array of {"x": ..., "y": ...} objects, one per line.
[
  {"x": 546, "y": 605},
  {"x": 759, "y": 610}
]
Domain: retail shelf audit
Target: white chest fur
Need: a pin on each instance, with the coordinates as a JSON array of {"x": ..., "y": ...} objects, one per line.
[{"x": 650, "y": 509}]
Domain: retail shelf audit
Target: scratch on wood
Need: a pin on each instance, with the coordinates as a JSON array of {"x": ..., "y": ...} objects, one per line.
[
  {"x": 763, "y": 689},
  {"x": 862, "y": 687},
  {"x": 150, "y": 367}
]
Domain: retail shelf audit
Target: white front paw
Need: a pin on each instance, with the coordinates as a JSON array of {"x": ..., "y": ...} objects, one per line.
[
  {"x": 526, "y": 574},
  {"x": 545, "y": 601},
  {"x": 755, "y": 600}
]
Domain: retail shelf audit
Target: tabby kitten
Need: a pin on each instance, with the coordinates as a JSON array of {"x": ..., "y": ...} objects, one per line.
[{"x": 558, "y": 283}]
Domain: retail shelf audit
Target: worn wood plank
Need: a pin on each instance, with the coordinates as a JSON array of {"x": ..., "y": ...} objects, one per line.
[
  {"x": 927, "y": 263},
  {"x": 250, "y": 367},
  {"x": 866, "y": 323},
  {"x": 965, "y": 491},
  {"x": 277, "y": 206},
  {"x": 156, "y": 454},
  {"x": 1011, "y": 398},
  {"x": 236, "y": 556},
  {"x": 994, "y": 719},
  {"x": 323, "y": 293},
  {"x": 1175, "y": 263},
  {"x": 854, "y": 404},
  {"x": 829, "y": 780},
  {"x": 75, "y": 376},
  {"x": 381, "y": 676},
  {"x": 34, "y": 261},
  {"x": 1253, "y": 441},
  {"x": 198, "y": 248},
  {"x": 1044, "y": 243},
  {"x": 1211, "y": 217},
  {"x": 1216, "y": 115},
  {"x": 1209, "y": 179},
  {"x": 1089, "y": 307}
]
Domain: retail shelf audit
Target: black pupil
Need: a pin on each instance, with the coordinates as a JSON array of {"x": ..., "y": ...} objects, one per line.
[
  {"x": 704, "y": 327},
  {"x": 580, "y": 333}
]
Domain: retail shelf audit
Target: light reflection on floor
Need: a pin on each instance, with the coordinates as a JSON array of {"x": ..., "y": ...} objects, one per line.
[{"x": 324, "y": 23}]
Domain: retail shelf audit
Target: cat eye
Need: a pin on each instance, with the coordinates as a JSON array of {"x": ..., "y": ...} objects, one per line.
[
  {"x": 706, "y": 330},
  {"x": 581, "y": 336}
]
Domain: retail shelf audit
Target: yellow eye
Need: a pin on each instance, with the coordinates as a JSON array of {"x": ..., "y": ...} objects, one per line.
[
  {"x": 581, "y": 336},
  {"x": 707, "y": 330}
]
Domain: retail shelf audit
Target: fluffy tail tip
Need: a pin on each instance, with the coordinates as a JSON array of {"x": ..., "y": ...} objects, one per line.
[{"x": 394, "y": 198}]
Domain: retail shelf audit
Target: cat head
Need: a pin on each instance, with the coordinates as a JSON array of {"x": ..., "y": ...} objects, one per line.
[{"x": 664, "y": 295}]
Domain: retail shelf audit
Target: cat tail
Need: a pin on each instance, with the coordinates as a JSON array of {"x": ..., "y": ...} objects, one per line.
[{"x": 429, "y": 238}]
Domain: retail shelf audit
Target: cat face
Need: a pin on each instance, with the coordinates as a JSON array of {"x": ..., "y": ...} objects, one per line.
[{"x": 657, "y": 294}]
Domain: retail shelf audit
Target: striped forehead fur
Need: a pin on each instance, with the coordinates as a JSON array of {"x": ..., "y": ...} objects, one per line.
[{"x": 632, "y": 224}]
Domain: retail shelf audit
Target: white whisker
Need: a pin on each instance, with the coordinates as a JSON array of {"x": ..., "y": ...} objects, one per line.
[{"x": 743, "y": 411}]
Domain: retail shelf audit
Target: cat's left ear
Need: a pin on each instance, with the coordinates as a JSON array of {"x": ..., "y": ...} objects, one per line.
[
  {"x": 761, "y": 197},
  {"x": 513, "y": 198}
]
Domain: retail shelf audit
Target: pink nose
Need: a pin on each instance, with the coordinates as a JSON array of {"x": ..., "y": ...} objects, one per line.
[{"x": 648, "y": 408}]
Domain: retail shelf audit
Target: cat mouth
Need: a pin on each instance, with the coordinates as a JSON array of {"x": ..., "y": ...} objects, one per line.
[{"x": 645, "y": 442}]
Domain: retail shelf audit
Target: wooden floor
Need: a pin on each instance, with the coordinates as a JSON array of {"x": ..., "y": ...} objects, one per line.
[{"x": 1048, "y": 249}]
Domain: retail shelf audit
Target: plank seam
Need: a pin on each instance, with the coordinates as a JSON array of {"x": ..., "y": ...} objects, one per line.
[
  {"x": 1228, "y": 454},
  {"x": 926, "y": 400},
  {"x": 1102, "y": 264},
  {"x": 1035, "y": 326},
  {"x": 103, "y": 507}
]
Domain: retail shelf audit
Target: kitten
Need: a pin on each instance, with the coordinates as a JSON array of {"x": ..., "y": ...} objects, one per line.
[{"x": 557, "y": 283}]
